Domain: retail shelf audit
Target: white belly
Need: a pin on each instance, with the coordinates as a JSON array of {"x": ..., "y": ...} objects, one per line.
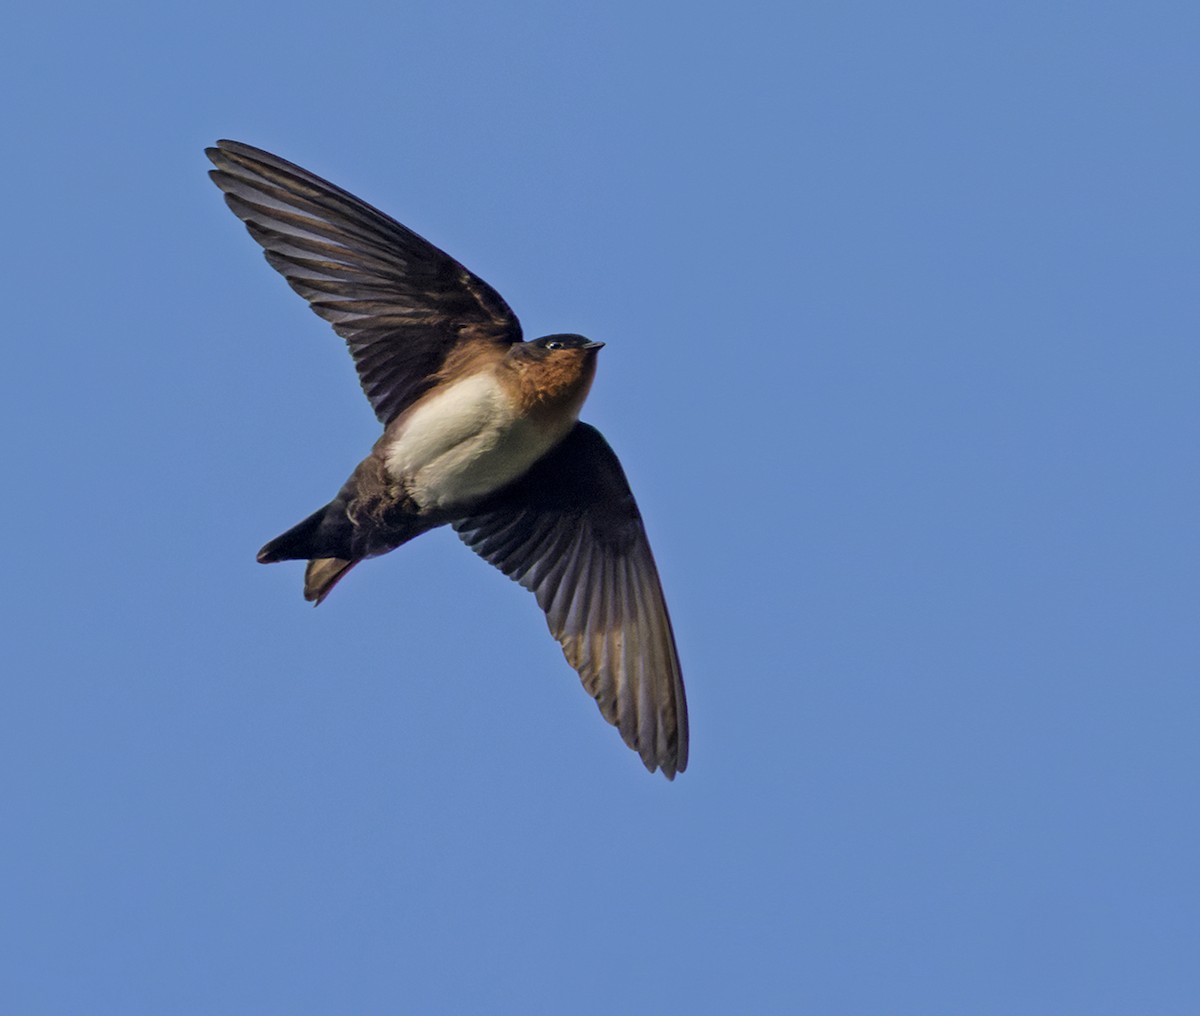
[{"x": 465, "y": 443}]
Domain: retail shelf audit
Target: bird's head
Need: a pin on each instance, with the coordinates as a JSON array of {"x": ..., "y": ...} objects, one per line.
[
  {"x": 554, "y": 345},
  {"x": 556, "y": 368}
]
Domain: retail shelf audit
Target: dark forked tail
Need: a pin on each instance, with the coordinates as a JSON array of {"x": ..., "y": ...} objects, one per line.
[
  {"x": 319, "y": 539},
  {"x": 351, "y": 527}
]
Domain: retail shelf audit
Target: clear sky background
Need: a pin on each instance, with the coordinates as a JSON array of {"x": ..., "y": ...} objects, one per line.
[{"x": 900, "y": 304}]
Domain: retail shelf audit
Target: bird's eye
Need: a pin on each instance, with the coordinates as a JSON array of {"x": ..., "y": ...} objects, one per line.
[{"x": 554, "y": 345}]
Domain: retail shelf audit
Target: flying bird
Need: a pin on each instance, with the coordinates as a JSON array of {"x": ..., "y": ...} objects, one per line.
[{"x": 481, "y": 432}]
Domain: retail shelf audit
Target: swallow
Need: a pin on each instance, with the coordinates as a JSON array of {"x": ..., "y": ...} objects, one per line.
[{"x": 481, "y": 432}]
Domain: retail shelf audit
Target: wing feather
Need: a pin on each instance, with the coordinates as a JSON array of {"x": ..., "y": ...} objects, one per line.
[
  {"x": 570, "y": 532},
  {"x": 401, "y": 304}
]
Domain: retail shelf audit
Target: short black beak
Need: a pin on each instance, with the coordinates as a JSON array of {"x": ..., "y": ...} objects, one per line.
[{"x": 593, "y": 345}]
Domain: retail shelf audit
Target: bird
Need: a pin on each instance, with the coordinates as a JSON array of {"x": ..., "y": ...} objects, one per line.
[{"x": 481, "y": 432}]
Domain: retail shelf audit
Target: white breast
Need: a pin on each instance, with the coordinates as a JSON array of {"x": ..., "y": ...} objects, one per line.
[{"x": 464, "y": 443}]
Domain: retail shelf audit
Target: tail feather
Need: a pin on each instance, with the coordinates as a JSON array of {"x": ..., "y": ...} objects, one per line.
[
  {"x": 298, "y": 544},
  {"x": 319, "y": 539},
  {"x": 321, "y": 575},
  {"x": 350, "y": 528}
]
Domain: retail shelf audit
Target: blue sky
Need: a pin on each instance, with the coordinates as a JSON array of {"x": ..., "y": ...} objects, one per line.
[{"x": 900, "y": 305}]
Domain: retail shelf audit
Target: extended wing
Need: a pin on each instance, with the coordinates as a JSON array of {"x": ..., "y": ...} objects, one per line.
[
  {"x": 570, "y": 532},
  {"x": 401, "y": 304}
]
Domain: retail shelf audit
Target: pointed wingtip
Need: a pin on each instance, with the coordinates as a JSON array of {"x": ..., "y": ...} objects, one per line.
[
  {"x": 671, "y": 769},
  {"x": 215, "y": 152}
]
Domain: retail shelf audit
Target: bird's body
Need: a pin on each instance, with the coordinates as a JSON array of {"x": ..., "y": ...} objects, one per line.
[
  {"x": 481, "y": 432},
  {"x": 468, "y": 438}
]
